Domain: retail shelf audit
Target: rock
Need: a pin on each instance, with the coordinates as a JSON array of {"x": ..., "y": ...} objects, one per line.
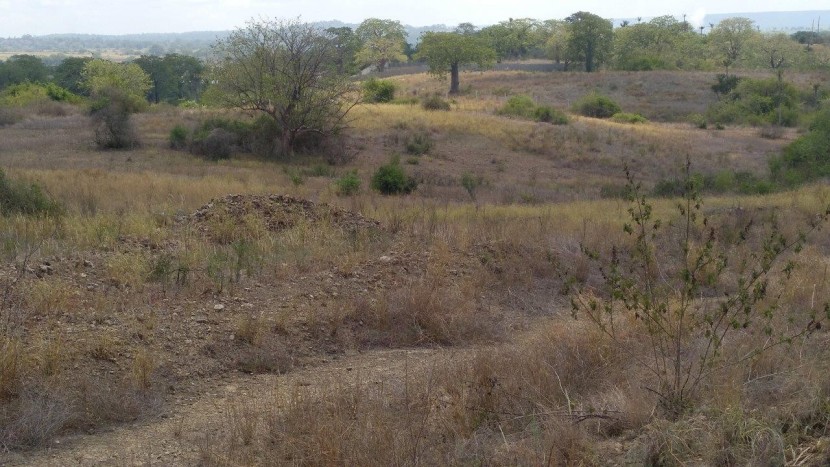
[
  {"x": 87, "y": 263},
  {"x": 385, "y": 259},
  {"x": 218, "y": 307}
]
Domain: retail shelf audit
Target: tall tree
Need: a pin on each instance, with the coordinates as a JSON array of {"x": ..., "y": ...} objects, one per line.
[
  {"x": 779, "y": 52},
  {"x": 69, "y": 73},
  {"x": 590, "y": 39},
  {"x": 105, "y": 79},
  {"x": 729, "y": 40},
  {"x": 346, "y": 46},
  {"x": 174, "y": 77},
  {"x": 513, "y": 39},
  {"x": 285, "y": 70},
  {"x": 448, "y": 51},
  {"x": 383, "y": 42},
  {"x": 21, "y": 68}
]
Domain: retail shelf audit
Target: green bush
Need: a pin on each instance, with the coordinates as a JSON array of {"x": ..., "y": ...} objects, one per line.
[
  {"x": 547, "y": 114},
  {"x": 725, "y": 84},
  {"x": 596, "y": 105},
  {"x": 518, "y": 106},
  {"x": 22, "y": 198},
  {"x": 698, "y": 120},
  {"x": 348, "y": 184},
  {"x": 20, "y": 95},
  {"x": 806, "y": 158},
  {"x": 178, "y": 137},
  {"x": 755, "y": 102},
  {"x": 390, "y": 179},
  {"x": 218, "y": 138},
  {"x": 378, "y": 91},
  {"x": 435, "y": 102},
  {"x": 623, "y": 117},
  {"x": 522, "y": 106}
]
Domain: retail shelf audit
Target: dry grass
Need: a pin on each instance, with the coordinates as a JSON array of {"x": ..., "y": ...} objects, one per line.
[{"x": 138, "y": 287}]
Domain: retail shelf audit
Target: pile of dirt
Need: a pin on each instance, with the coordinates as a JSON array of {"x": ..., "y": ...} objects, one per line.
[{"x": 278, "y": 212}]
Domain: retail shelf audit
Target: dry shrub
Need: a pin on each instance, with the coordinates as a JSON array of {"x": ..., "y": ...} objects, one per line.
[
  {"x": 11, "y": 367},
  {"x": 127, "y": 270},
  {"x": 144, "y": 365},
  {"x": 34, "y": 419},
  {"x": 425, "y": 311},
  {"x": 47, "y": 297},
  {"x": 489, "y": 407}
]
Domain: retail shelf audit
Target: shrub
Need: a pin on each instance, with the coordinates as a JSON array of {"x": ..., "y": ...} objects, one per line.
[
  {"x": 698, "y": 120},
  {"x": 688, "y": 337},
  {"x": 20, "y": 95},
  {"x": 435, "y": 102},
  {"x": 806, "y": 158},
  {"x": 390, "y": 179},
  {"x": 378, "y": 91},
  {"x": 111, "y": 116},
  {"x": 418, "y": 143},
  {"x": 522, "y": 106},
  {"x": 596, "y": 105},
  {"x": 178, "y": 137},
  {"x": 756, "y": 102},
  {"x": 471, "y": 183},
  {"x": 21, "y": 198},
  {"x": 519, "y": 106},
  {"x": 623, "y": 117},
  {"x": 547, "y": 114},
  {"x": 218, "y": 138},
  {"x": 725, "y": 84},
  {"x": 348, "y": 184}
]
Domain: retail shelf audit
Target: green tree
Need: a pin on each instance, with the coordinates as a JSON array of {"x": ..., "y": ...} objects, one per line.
[
  {"x": 729, "y": 40},
  {"x": 448, "y": 51},
  {"x": 662, "y": 43},
  {"x": 119, "y": 89},
  {"x": 590, "y": 39},
  {"x": 383, "y": 42},
  {"x": 285, "y": 70},
  {"x": 69, "y": 74},
  {"x": 346, "y": 46},
  {"x": 779, "y": 52},
  {"x": 21, "y": 68},
  {"x": 513, "y": 39},
  {"x": 104, "y": 79},
  {"x": 555, "y": 36},
  {"x": 174, "y": 77}
]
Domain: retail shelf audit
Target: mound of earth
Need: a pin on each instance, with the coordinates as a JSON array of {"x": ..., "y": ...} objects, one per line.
[{"x": 277, "y": 212}]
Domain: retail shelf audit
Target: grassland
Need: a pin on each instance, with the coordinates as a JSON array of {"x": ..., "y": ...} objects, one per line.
[{"x": 255, "y": 330}]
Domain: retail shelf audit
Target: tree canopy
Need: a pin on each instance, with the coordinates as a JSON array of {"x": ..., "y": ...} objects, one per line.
[
  {"x": 285, "y": 70},
  {"x": 447, "y": 51},
  {"x": 590, "y": 39},
  {"x": 383, "y": 42},
  {"x": 103, "y": 79},
  {"x": 729, "y": 40}
]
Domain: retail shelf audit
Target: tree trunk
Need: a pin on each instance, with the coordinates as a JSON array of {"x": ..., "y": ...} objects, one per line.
[{"x": 454, "y": 81}]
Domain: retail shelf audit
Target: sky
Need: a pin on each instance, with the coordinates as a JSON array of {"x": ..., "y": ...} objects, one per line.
[{"x": 40, "y": 17}]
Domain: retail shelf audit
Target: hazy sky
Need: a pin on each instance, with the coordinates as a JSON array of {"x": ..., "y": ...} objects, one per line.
[{"x": 37, "y": 17}]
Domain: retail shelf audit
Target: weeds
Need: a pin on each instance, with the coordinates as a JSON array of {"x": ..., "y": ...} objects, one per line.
[{"x": 661, "y": 292}]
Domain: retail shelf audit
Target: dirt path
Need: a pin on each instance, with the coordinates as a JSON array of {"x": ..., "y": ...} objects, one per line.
[{"x": 172, "y": 439}]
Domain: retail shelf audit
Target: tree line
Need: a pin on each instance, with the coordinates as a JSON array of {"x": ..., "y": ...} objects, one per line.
[
  {"x": 299, "y": 78},
  {"x": 581, "y": 41}
]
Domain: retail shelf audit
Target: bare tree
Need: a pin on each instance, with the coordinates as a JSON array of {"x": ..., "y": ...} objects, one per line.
[{"x": 288, "y": 71}]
